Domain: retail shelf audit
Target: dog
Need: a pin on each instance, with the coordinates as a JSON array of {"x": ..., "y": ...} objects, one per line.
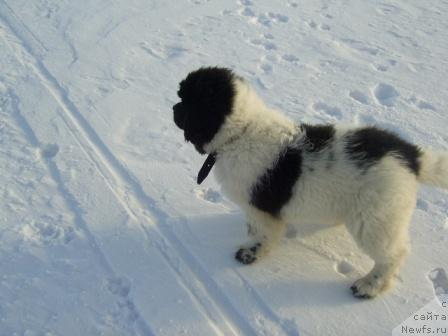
[{"x": 279, "y": 171}]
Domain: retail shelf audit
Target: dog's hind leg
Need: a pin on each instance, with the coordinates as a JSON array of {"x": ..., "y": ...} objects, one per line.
[
  {"x": 386, "y": 242},
  {"x": 381, "y": 277},
  {"x": 265, "y": 232},
  {"x": 379, "y": 222}
]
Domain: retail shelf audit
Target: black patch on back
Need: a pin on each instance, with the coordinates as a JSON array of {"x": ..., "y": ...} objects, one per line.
[
  {"x": 368, "y": 145},
  {"x": 274, "y": 188},
  {"x": 207, "y": 98},
  {"x": 317, "y": 136}
]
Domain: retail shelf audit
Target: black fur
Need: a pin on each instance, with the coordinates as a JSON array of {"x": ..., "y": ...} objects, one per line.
[
  {"x": 368, "y": 145},
  {"x": 274, "y": 188},
  {"x": 317, "y": 136},
  {"x": 207, "y": 98},
  {"x": 248, "y": 255}
]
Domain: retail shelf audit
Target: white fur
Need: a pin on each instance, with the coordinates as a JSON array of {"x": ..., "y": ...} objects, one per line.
[
  {"x": 375, "y": 205},
  {"x": 434, "y": 169}
]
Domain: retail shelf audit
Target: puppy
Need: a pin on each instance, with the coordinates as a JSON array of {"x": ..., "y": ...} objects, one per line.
[{"x": 279, "y": 171}]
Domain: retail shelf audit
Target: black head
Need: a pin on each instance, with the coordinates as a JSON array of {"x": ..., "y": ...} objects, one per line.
[{"x": 207, "y": 98}]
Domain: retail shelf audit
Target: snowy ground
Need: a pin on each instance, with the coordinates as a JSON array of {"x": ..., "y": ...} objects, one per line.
[{"x": 103, "y": 230}]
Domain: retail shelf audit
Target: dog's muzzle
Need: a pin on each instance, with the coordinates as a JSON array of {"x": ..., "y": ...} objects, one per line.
[{"x": 179, "y": 115}]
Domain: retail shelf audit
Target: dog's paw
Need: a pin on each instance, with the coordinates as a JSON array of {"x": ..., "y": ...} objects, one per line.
[
  {"x": 369, "y": 287},
  {"x": 247, "y": 255}
]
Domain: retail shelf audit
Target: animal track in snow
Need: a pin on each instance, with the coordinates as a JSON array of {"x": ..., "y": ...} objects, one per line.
[
  {"x": 328, "y": 110},
  {"x": 425, "y": 105},
  {"x": 421, "y": 104},
  {"x": 384, "y": 67},
  {"x": 210, "y": 195},
  {"x": 246, "y": 11},
  {"x": 125, "y": 308},
  {"x": 359, "y": 97},
  {"x": 312, "y": 24},
  {"x": 290, "y": 58},
  {"x": 266, "y": 19},
  {"x": 265, "y": 67},
  {"x": 360, "y": 46},
  {"x": 324, "y": 26},
  {"x": 245, "y": 2},
  {"x": 321, "y": 26},
  {"x": 266, "y": 44},
  {"x": 47, "y": 231},
  {"x": 266, "y": 64},
  {"x": 344, "y": 267},
  {"x": 48, "y": 10},
  {"x": 163, "y": 52},
  {"x": 385, "y": 94},
  {"x": 387, "y": 9},
  {"x": 439, "y": 280},
  {"x": 119, "y": 286},
  {"x": 278, "y": 17},
  {"x": 198, "y": 2},
  {"x": 380, "y": 67},
  {"x": 48, "y": 151}
]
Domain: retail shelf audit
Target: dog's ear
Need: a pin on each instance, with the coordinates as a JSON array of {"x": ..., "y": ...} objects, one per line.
[{"x": 210, "y": 90}]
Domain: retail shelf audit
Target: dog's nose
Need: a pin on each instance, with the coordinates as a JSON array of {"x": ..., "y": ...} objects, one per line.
[
  {"x": 179, "y": 115},
  {"x": 176, "y": 107}
]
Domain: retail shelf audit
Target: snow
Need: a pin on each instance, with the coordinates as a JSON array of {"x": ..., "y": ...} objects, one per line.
[{"x": 103, "y": 229}]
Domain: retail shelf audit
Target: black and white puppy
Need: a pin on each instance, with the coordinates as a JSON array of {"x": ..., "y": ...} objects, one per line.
[{"x": 279, "y": 171}]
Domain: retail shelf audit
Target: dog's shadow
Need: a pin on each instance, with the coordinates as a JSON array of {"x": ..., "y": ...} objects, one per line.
[{"x": 300, "y": 272}]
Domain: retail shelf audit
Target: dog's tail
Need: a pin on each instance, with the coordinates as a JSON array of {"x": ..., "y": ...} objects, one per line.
[{"x": 434, "y": 168}]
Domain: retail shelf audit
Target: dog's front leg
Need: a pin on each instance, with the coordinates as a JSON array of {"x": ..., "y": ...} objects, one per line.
[{"x": 264, "y": 231}]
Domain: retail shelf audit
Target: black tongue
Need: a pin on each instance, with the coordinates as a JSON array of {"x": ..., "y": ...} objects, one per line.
[{"x": 206, "y": 167}]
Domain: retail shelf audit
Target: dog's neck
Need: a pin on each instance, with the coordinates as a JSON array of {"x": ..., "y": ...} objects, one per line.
[{"x": 248, "y": 111}]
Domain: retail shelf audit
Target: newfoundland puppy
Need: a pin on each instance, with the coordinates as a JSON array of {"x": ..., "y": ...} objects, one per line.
[{"x": 280, "y": 171}]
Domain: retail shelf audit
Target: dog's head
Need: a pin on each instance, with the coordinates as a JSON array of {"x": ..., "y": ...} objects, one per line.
[{"x": 207, "y": 97}]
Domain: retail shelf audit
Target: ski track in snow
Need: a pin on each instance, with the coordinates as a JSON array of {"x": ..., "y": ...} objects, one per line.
[
  {"x": 50, "y": 150},
  {"x": 72, "y": 204},
  {"x": 45, "y": 231},
  {"x": 130, "y": 194}
]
